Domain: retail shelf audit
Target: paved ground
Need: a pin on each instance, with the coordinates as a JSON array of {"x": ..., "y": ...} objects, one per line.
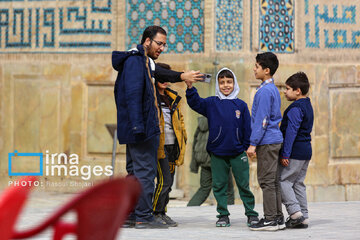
[{"x": 340, "y": 220}]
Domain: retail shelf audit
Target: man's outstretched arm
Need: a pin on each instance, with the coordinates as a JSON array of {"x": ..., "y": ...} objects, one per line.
[{"x": 165, "y": 75}]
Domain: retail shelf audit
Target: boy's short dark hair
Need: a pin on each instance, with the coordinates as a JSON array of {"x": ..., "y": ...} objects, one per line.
[
  {"x": 268, "y": 60},
  {"x": 226, "y": 73},
  {"x": 151, "y": 31},
  {"x": 299, "y": 80},
  {"x": 164, "y": 65}
]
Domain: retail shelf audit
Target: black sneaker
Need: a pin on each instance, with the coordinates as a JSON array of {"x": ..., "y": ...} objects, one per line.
[
  {"x": 265, "y": 225},
  {"x": 154, "y": 224},
  {"x": 301, "y": 225},
  {"x": 223, "y": 221},
  {"x": 129, "y": 223},
  {"x": 159, "y": 218},
  {"x": 281, "y": 223},
  {"x": 251, "y": 220},
  {"x": 291, "y": 223},
  {"x": 169, "y": 221}
]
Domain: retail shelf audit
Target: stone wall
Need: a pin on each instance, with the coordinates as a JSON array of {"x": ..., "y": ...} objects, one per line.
[{"x": 56, "y": 79}]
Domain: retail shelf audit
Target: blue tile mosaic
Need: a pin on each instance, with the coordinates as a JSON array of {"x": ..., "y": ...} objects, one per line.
[
  {"x": 49, "y": 26},
  {"x": 229, "y": 25},
  {"x": 338, "y": 28},
  {"x": 182, "y": 20},
  {"x": 277, "y": 26}
]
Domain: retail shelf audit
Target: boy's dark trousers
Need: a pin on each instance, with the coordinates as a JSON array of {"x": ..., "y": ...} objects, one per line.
[
  {"x": 220, "y": 173},
  {"x": 141, "y": 159},
  {"x": 165, "y": 179},
  {"x": 267, "y": 173},
  {"x": 205, "y": 188}
]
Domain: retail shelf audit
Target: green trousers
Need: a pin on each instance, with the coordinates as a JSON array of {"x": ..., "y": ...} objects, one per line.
[
  {"x": 220, "y": 174},
  {"x": 205, "y": 188}
]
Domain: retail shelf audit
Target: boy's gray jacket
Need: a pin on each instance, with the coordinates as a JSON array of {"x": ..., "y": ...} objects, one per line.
[{"x": 200, "y": 157}]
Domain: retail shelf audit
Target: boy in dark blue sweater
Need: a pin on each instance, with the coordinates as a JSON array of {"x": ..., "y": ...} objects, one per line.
[
  {"x": 296, "y": 153},
  {"x": 229, "y": 133}
]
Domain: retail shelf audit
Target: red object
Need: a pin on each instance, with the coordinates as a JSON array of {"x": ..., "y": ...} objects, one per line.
[
  {"x": 11, "y": 202},
  {"x": 101, "y": 211}
]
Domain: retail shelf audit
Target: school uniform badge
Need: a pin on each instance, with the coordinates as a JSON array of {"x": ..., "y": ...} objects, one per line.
[
  {"x": 265, "y": 122},
  {"x": 237, "y": 114}
]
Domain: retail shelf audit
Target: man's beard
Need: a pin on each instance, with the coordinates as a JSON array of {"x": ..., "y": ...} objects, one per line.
[{"x": 149, "y": 53}]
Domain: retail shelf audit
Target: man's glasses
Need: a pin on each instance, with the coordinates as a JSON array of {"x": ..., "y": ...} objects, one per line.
[{"x": 160, "y": 44}]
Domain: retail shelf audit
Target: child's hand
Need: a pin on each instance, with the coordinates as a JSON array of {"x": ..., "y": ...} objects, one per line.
[
  {"x": 251, "y": 151},
  {"x": 284, "y": 162},
  {"x": 188, "y": 83}
]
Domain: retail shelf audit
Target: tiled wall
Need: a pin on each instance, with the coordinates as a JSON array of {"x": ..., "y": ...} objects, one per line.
[
  {"x": 53, "y": 26},
  {"x": 229, "y": 25},
  {"x": 183, "y": 20},
  {"x": 92, "y": 26},
  {"x": 332, "y": 25},
  {"x": 277, "y": 24}
]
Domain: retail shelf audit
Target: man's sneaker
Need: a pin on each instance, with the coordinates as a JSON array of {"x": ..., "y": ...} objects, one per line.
[
  {"x": 154, "y": 224},
  {"x": 292, "y": 223},
  {"x": 265, "y": 225},
  {"x": 281, "y": 223},
  {"x": 169, "y": 221},
  {"x": 223, "y": 221},
  {"x": 129, "y": 223},
  {"x": 251, "y": 220}
]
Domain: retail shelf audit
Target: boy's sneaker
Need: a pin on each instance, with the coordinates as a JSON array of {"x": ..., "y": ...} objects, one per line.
[
  {"x": 301, "y": 225},
  {"x": 292, "y": 223},
  {"x": 223, "y": 221},
  {"x": 265, "y": 225},
  {"x": 169, "y": 221},
  {"x": 251, "y": 220},
  {"x": 281, "y": 223},
  {"x": 159, "y": 218},
  {"x": 154, "y": 224}
]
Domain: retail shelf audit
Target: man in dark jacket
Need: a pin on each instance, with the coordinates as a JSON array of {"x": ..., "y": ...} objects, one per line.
[{"x": 138, "y": 115}]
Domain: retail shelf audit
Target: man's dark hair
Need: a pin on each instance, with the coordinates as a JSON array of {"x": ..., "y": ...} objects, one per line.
[
  {"x": 164, "y": 65},
  {"x": 225, "y": 73},
  {"x": 299, "y": 80},
  {"x": 268, "y": 60},
  {"x": 151, "y": 31}
]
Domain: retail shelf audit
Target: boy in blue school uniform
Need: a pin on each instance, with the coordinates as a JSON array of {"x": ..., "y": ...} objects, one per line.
[
  {"x": 266, "y": 140},
  {"x": 296, "y": 127},
  {"x": 229, "y": 132}
]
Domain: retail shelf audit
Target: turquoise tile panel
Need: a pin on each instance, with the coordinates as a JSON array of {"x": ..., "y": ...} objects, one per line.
[
  {"x": 182, "y": 20},
  {"x": 276, "y": 31},
  {"x": 56, "y": 26},
  {"x": 229, "y": 25},
  {"x": 332, "y": 26}
]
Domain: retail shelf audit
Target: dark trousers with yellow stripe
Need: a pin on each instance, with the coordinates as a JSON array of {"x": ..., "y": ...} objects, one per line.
[{"x": 165, "y": 179}]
